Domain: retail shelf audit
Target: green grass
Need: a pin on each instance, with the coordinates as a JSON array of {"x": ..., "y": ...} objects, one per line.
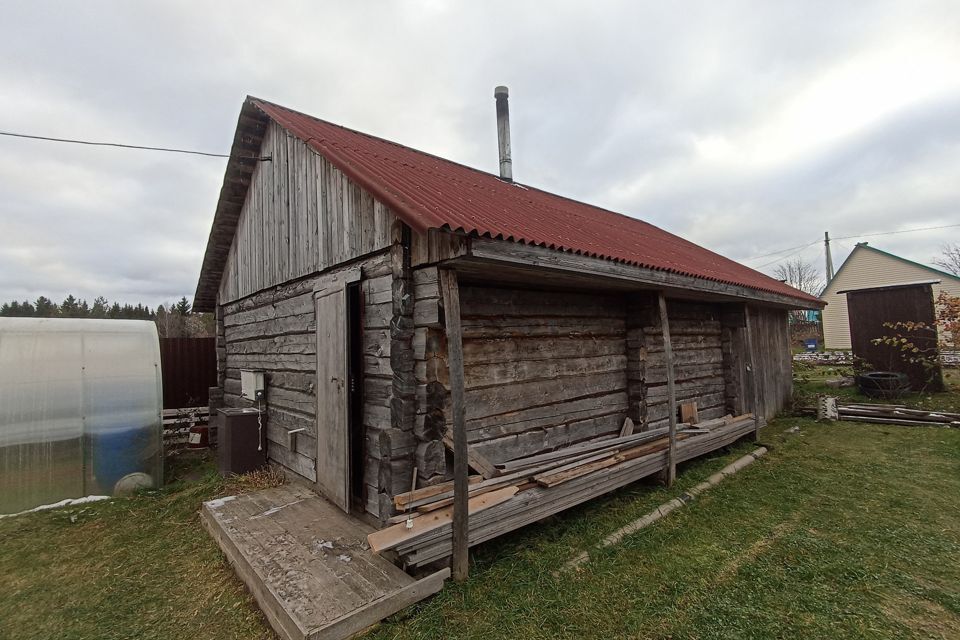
[
  {"x": 811, "y": 381},
  {"x": 139, "y": 567},
  {"x": 848, "y": 531},
  {"x": 841, "y": 531}
]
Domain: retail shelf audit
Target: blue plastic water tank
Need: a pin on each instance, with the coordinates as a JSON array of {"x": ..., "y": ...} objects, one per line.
[{"x": 116, "y": 454}]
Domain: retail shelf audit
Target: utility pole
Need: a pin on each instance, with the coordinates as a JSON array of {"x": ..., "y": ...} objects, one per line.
[{"x": 826, "y": 248}]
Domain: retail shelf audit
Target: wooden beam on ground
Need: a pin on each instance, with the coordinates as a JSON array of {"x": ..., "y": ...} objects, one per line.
[
  {"x": 754, "y": 378},
  {"x": 475, "y": 459},
  {"x": 450, "y": 289},
  {"x": 671, "y": 470}
]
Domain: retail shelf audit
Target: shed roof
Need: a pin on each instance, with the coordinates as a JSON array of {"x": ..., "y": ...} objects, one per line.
[
  {"x": 426, "y": 192},
  {"x": 865, "y": 246}
]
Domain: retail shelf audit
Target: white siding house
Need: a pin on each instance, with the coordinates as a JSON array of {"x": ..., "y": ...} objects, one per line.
[{"x": 870, "y": 267}]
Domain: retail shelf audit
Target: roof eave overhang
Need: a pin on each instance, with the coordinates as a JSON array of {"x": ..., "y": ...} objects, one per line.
[
  {"x": 244, "y": 154},
  {"x": 506, "y": 251}
]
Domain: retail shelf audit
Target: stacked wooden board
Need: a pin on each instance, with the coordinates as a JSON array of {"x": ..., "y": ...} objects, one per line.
[
  {"x": 897, "y": 414},
  {"x": 529, "y": 489}
]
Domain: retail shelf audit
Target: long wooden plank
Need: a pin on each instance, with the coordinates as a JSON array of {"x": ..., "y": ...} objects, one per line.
[
  {"x": 553, "y": 479},
  {"x": 577, "y": 449},
  {"x": 401, "y": 500},
  {"x": 754, "y": 377},
  {"x": 475, "y": 460},
  {"x": 533, "y": 505},
  {"x": 671, "y": 389},
  {"x": 390, "y": 537},
  {"x": 461, "y": 512}
]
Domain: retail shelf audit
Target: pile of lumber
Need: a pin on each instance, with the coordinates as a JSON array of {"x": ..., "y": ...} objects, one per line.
[
  {"x": 897, "y": 414},
  {"x": 528, "y": 489}
]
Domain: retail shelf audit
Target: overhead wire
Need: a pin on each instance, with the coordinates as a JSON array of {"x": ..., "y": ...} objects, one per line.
[
  {"x": 130, "y": 146},
  {"x": 797, "y": 249}
]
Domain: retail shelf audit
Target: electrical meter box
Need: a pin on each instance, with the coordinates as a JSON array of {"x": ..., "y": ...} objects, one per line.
[{"x": 251, "y": 384}]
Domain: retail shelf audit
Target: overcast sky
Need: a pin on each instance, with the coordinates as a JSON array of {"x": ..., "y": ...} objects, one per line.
[{"x": 747, "y": 127}]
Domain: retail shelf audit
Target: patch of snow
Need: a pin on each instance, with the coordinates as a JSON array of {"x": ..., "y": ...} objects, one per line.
[
  {"x": 69, "y": 502},
  {"x": 219, "y": 502},
  {"x": 344, "y": 558}
]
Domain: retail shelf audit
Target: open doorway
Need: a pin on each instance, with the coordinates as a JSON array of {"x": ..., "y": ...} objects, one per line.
[{"x": 355, "y": 428}]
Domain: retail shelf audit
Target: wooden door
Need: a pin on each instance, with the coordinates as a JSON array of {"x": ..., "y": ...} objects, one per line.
[{"x": 333, "y": 447}]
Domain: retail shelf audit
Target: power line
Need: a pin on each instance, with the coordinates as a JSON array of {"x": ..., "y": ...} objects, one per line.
[
  {"x": 890, "y": 233},
  {"x": 799, "y": 248},
  {"x": 129, "y": 146},
  {"x": 773, "y": 253},
  {"x": 790, "y": 255}
]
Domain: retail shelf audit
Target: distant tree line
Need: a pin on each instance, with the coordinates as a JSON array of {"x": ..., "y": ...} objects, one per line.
[{"x": 173, "y": 319}]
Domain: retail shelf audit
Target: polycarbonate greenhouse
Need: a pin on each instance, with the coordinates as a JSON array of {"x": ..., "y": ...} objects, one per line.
[{"x": 80, "y": 409}]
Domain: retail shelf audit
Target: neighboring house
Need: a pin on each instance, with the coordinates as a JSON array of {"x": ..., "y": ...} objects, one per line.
[
  {"x": 324, "y": 269},
  {"x": 868, "y": 267}
]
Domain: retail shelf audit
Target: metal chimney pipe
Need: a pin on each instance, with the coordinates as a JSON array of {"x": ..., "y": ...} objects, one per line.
[{"x": 503, "y": 132}]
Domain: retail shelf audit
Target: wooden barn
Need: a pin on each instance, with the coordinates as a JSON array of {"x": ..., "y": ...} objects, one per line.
[{"x": 404, "y": 307}]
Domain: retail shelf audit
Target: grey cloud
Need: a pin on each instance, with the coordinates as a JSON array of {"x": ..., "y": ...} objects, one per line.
[{"x": 608, "y": 105}]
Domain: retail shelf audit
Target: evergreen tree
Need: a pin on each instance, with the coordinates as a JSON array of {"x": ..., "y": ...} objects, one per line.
[
  {"x": 100, "y": 307},
  {"x": 182, "y": 307},
  {"x": 70, "y": 308},
  {"x": 45, "y": 308},
  {"x": 115, "y": 311}
]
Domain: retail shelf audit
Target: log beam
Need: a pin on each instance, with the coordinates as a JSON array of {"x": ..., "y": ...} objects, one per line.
[
  {"x": 671, "y": 470},
  {"x": 754, "y": 378},
  {"x": 451, "y": 307}
]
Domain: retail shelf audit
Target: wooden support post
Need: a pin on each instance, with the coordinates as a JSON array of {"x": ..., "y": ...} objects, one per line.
[
  {"x": 451, "y": 311},
  {"x": 671, "y": 471},
  {"x": 754, "y": 380}
]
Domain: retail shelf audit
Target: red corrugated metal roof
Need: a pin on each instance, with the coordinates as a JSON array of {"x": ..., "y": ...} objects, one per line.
[{"x": 430, "y": 192}]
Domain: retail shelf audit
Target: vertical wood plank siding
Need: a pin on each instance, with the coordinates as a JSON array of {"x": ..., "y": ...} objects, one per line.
[
  {"x": 301, "y": 215},
  {"x": 189, "y": 369},
  {"x": 772, "y": 359}
]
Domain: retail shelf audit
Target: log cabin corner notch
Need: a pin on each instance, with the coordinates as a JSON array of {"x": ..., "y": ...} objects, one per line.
[{"x": 323, "y": 268}]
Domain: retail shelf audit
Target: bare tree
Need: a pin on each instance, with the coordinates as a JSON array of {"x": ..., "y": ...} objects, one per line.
[
  {"x": 949, "y": 259},
  {"x": 802, "y": 275}
]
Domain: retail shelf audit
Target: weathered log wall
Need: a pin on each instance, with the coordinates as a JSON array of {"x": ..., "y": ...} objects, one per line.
[
  {"x": 542, "y": 369},
  {"x": 697, "y": 357},
  {"x": 432, "y": 399},
  {"x": 547, "y": 368},
  {"x": 301, "y": 215},
  {"x": 275, "y": 331}
]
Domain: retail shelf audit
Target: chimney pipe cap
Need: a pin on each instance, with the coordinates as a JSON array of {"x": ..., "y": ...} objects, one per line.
[{"x": 501, "y": 91}]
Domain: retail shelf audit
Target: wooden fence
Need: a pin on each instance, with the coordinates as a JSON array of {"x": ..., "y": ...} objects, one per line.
[{"x": 189, "y": 370}]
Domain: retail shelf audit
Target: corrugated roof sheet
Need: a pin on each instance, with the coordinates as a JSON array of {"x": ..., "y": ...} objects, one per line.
[{"x": 430, "y": 192}]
